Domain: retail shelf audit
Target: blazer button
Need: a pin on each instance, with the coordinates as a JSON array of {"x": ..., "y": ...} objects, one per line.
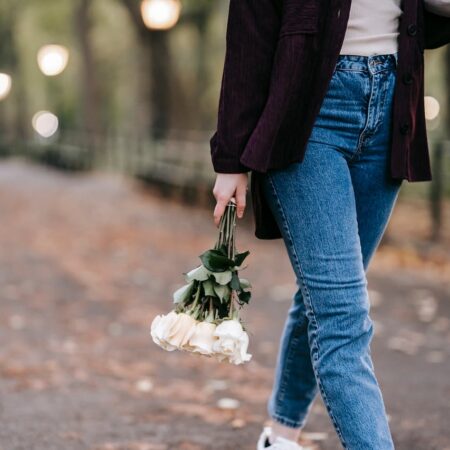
[
  {"x": 407, "y": 78},
  {"x": 404, "y": 128},
  {"x": 412, "y": 29}
]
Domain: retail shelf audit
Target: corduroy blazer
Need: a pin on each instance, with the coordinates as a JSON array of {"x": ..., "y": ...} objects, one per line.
[{"x": 279, "y": 59}]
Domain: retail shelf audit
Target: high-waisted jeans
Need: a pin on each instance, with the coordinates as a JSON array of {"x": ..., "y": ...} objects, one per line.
[{"x": 332, "y": 209}]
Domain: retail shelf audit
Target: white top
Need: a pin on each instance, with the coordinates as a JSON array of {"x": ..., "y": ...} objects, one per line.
[{"x": 373, "y": 25}]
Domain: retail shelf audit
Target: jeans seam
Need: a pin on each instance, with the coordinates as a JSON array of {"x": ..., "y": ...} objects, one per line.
[
  {"x": 314, "y": 320},
  {"x": 282, "y": 390},
  {"x": 377, "y": 115},
  {"x": 384, "y": 91},
  {"x": 366, "y": 125},
  {"x": 283, "y": 382},
  {"x": 343, "y": 69}
]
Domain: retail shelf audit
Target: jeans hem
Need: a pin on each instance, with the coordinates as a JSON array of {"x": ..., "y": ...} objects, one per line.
[{"x": 286, "y": 421}]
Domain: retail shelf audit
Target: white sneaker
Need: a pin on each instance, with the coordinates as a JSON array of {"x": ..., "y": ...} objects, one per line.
[{"x": 280, "y": 443}]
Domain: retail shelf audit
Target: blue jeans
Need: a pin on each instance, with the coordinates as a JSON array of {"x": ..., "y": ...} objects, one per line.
[{"x": 332, "y": 209}]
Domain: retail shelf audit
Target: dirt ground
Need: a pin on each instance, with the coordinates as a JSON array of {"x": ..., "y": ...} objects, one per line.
[{"x": 87, "y": 261}]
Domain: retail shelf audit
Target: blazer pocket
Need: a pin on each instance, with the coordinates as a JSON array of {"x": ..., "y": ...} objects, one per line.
[{"x": 299, "y": 16}]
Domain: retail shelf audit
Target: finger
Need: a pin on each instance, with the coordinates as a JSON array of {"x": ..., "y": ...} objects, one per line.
[
  {"x": 219, "y": 209},
  {"x": 241, "y": 193}
]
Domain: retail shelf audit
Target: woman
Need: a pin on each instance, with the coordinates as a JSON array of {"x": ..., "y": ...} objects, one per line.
[{"x": 307, "y": 105}]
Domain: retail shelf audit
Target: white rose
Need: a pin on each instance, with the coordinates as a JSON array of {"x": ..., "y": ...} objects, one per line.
[
  {"x": 202, "y": 339},
  {"x": 233, "y": 341},
  {"x": 173, "y": 330},
  {"x": 181, "y": 331},
  {"x": 159, "y": 327}
]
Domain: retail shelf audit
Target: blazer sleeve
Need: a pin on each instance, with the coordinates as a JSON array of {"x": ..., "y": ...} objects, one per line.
[
  {"x": 437, "y": 30},
  {"x": 251, "y": 40}
]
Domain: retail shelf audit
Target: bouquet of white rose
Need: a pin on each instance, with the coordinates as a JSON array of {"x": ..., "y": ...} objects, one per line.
[{"x": 206, "y": 318}]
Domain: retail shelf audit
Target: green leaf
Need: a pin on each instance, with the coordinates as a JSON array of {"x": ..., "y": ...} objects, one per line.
[
  {"x": 239, "y": 258},
  {"x": 245, "y": 284},
  {"x": 223, "y": 249},
  {"x": 183, "y": 293},
  {"x": 235, "y": 282},
  {"x": 244, "y": 296},
  {"x": 222, "y": 277},
  {"x": 223, "y": 292},
  {"x": 215, "y": 261},
  {"x": 200, "y": 273},
  {"x": 208, "y": 287}
]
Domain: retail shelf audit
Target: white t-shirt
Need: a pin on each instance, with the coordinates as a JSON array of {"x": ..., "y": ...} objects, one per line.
[{"x": 373, "y": 25}]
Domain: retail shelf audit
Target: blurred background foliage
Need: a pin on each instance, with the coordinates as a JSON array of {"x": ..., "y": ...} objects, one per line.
[{"x": 114, "y": 59}]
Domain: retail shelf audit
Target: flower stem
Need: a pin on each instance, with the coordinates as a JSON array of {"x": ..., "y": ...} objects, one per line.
[
  {"x": 227, "y": 227},
  {"x": 194, "y": 308}
]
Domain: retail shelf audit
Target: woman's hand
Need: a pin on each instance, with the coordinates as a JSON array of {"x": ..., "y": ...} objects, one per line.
[{"x": 230, "y": 185}]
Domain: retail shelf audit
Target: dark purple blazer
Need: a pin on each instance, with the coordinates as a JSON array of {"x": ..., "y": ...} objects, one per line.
[{"x": 280, "y": 56}]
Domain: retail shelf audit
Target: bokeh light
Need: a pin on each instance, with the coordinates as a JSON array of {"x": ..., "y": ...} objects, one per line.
[
  {"x": 160, "y": 14},
  {"x": 5, "y": 85},
  {"x": 45, "y": 123},
  {"x": 432, "y": 108},
  {"x": 52, "y": 59}
]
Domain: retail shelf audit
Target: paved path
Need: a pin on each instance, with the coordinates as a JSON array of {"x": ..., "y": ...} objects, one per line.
[{"x": 86, "y": 262}]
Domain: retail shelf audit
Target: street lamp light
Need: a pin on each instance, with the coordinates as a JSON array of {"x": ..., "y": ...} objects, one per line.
[
  {"x": 432, "y": 108},
  {"x": 160, "y": 14},
  {"x": 45, "y": 123},
  {"x": 52, "y": 59},
  {"x": 5, "y": 85}
]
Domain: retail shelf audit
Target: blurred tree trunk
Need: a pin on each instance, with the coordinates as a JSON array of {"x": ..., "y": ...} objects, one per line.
[
  {"x": 201, "y": 19},
  {"x": 10, "y": 63},
  {"x": 89, "y": 82},
  {"x": 158, "y": 64},
  {"x": 438, "y": 160},
  {"x": 447, "y": 91},
  {"x": 5, "y": 66}
]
